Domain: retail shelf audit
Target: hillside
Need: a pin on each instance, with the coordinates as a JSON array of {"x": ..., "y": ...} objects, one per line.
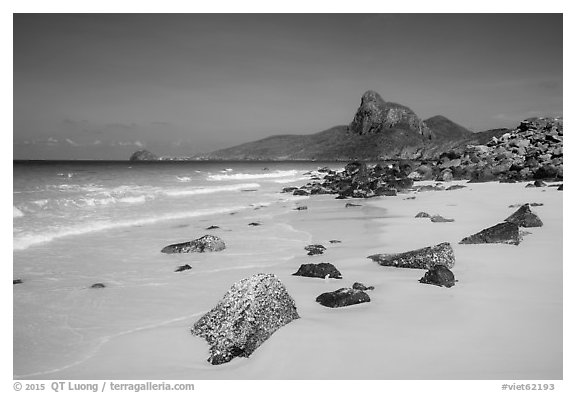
[{"x": 379, "y": 130}]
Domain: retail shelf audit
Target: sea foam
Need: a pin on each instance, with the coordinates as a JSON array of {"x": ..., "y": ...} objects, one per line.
[
  {"x": 24, "y": 241},
  {"x": 210, "y": 190},
  {"x": 245, "y": 176}
]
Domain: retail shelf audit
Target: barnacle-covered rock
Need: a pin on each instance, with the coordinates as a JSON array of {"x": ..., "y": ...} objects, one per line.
[
  {"x": 203, "y": 244},
  {"x": 250, "y": 312},
  {"x": 423, "y": 258}
]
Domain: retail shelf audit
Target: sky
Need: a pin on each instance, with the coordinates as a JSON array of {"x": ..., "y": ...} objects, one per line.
[{"x": 101, "y": 86}]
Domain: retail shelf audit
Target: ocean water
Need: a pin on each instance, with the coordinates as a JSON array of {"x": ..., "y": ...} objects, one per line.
[{"x": 80, "y": 223}]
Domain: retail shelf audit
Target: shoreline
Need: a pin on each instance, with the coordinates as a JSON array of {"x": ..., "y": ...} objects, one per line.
[{"x": 491, "y": 320}]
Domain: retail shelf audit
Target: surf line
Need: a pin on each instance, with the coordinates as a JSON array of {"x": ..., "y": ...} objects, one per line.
[{"x": 105, "y": 340}]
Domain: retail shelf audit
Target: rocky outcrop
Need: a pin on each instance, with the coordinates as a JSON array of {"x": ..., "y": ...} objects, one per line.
[
  {"x": 505, "y": 232},
  {"x": 343, "y": 297},
  {"x": 249, "y": 313},
  {"x": 439, "y": 275},
  {"x": 320, "y": 270},
  {"x": 376, "y": 115},
  {"x": 207, "y": 243},
  {"x": 98, "y": 285},
  {"x": 423, "y": 258},
  {"x": 143, "y": 155},
  {"x": 524, "y": 217}
]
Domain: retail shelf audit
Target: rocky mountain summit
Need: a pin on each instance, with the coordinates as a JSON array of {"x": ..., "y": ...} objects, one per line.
[{"x": 376, "y": 115}]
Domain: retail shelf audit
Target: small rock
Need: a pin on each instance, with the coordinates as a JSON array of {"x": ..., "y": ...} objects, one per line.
[
  {"x": 455, "y": 187},
  {"x": 203, "y": 244},
  {"x": 362, "y": 287},
  {"x": 438, "y": 218},
  {"x": 539, "y": 183},
  {"x": 98, "y": 285},
  {"x": 300, "y": 192},
  {"x": 289, "y": 189},
  {"x": 343, "y": 297},
  {"x": 212, "y": 227},
  {"x": 320, "y": 270},
  {"x": 430, "y": 188},
  {"x": 422, "y": 215},
  {"x": 335, "y": 241},
  {"x": 561, "y": 187},
  {"x": 301, "y": 208},
  {"x": 254, "y": 224},
  {"x": 17, "y": 281},
  {"x": 524, "y": 217},
  {"x": 505, "y": 232},
  {"x": 315, "y": 249},
  {"x": 183, "y": 267},
  {"x": 439, "y": 275},
  {"x": 351, "y": 205}
]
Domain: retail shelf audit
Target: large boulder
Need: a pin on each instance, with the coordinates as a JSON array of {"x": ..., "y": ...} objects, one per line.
[
  {"x": 320, "y": 270},
  {"x": 439, "y": 275},
  {"x": 423, "y": 258},
  {"x": 249, "y": 313},
  {"x": 143, "y": 155},
  {"x": 203, "y": 244},
  {"x": 505, "y": 232},
  {"x": 343, "y": 297},
  {"x": 523, "y": 217}
]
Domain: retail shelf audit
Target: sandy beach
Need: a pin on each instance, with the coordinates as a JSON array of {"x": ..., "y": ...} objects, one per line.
[{"x": 502, "y": 319}]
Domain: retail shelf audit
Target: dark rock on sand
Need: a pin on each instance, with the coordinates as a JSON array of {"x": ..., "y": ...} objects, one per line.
[
  {"x": 289, "y": 189},
  {"x": 183, "y": 267},
  {"x": 539, "y": 183},
  {"x": 361, "y": 287},
  {"x": 301, "y": 208},
  {"x": 98, "y": 285},
  {"x": 254, "y": 224},
  {"x": 439, "y": 218},
  {"x": 524, "y": 217},
  {"x": 430, "y": 188},
  {"x": 351, "y": 205},
  {"x": 300, "y": 192},
  {"x": 455, "y": 187},
  {"x": 423, "y": 258},
  {"x": 17, "y": 281},
  {"x": 249, "y": 313},
  {"x": 335, "y": 241},
  {"x": 315, "y": 249},
  {"x": 561, "y": 187},
  {"x": 439, "y": 275},
  {"x": 212, "y": 227},
  {"x": 343, "y": 297},
  {"x": 320, "y": 270},
  {"x": 203, "y": 244},
  {"x": 505, "y": 232},
  {"x": 422, "y": 215}
]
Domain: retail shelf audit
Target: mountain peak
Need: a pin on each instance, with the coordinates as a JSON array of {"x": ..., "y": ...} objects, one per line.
[{"x": 376, "y": 115}]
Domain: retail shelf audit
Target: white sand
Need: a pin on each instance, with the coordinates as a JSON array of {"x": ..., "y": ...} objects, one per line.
[{"x": 502, "y": 319}]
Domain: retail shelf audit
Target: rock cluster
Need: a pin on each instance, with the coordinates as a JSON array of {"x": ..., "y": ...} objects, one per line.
[
  {"x": 358, "y": 180},
  {"x": 250, "y": 312},
  {"x": 534, "y": 150}
]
